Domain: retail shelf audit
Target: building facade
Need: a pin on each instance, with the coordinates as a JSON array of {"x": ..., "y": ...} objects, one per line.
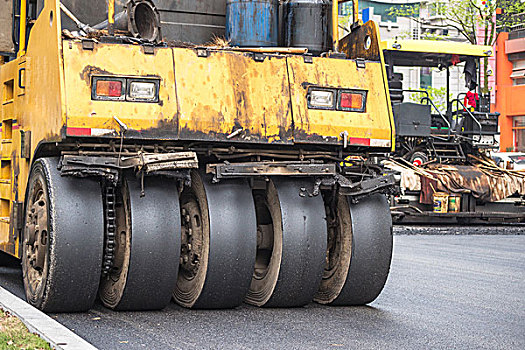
[{"x": 510, "y": 88}]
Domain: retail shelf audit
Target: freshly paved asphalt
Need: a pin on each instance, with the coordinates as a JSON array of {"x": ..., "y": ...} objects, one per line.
[{"x": 444, "y": 292}]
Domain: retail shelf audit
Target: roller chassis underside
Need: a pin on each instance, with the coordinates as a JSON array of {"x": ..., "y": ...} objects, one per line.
[{"x": 325, "y": 164}]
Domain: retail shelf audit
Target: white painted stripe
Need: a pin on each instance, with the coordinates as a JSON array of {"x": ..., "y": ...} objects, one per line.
[
  {"x": 102, "y": 132},
  {"x": 380, "y": 143},
  {"x": 58, "y": 336}
]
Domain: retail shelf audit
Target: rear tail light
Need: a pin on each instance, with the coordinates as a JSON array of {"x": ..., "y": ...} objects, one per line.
[
  {"x": 109, "y": 88},
  {"x": 352, "y": 101}
]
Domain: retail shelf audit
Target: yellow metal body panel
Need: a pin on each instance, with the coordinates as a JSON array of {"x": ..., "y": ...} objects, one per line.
[
  {"x": 314, "y": 125},
  {"x": 32, "y": 100},
  {"x": 42, "y": 110},
  {"x": 437, "y": 47},
  {"x": 230, "y": 91},
  {"x": 122, "y": 60},
  {"x": 363, "y": 43}
]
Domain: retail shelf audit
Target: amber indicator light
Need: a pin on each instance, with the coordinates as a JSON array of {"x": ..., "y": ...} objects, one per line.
[
  {"x": 351, "y": 101},
  {"x": 109, "y": 88}
]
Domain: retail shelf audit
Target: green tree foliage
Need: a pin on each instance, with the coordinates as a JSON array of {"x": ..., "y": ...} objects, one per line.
[
  {"x": 437, "y": 95},
  {"x": 468, "y": 15}
]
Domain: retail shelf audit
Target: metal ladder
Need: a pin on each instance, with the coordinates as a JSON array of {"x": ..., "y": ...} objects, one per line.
[{"x": 446, "y": 150}]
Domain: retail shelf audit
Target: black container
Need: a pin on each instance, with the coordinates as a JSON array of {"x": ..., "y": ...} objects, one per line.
[
  {"x": 194, "y": 21},
  {"x": 307, "y": 24}
]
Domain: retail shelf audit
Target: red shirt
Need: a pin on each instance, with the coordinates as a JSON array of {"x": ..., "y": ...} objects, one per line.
[{"x": 471, "y": 98}]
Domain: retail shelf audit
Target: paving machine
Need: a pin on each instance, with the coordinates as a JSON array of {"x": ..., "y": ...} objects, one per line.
[
  {"x": 144, "y": 159},
  {"x": 444, "y": 150}
]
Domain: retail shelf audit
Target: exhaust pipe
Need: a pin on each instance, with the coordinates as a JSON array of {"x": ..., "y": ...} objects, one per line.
[
  {"x": 140, "y": 18},
  {"x": 143, "y": 20}
]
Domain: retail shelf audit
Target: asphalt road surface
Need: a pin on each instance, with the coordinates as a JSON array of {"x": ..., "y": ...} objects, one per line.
[{"x": 445, "y": 291}]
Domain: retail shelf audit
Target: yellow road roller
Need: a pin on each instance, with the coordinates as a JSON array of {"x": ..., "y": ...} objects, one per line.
[{"x": 209, "y": 152}]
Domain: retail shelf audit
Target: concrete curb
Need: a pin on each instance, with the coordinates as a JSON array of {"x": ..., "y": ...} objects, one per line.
[{"x": 58, "y": 336}]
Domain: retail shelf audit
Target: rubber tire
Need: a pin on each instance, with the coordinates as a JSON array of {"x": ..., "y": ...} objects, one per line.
[
  {"x": 7, "y": 260},
  {"x": 76, "y": 235},
  {"x": 155, "y": 245},
  {"x": 372, "y": 244},
  {"x": 232, "y": 241},
  {"x": 304, "y": 239},
  {"x": 339, "y": 227}
]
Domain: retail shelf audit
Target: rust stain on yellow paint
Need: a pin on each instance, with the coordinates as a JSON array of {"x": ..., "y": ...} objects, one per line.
[{"x": 232, "y": 94}]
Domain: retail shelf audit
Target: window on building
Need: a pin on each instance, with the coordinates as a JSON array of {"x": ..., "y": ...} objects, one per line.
[
  {"x": 415, "y": 33},
  {"x": 518, "y": 128},
  {"x": 518, "y": 72},
  {"x": 437, "y": 9},
  {"x": 425, "y": 77}
]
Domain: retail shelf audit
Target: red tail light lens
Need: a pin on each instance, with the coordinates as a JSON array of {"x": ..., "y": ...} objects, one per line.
[
  {"x": 109, "y": 88},
  {"x": 353, "y": 101}
]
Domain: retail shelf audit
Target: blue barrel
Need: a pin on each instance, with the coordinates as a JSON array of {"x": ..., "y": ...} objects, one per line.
[{"x": 252, "y": 22}]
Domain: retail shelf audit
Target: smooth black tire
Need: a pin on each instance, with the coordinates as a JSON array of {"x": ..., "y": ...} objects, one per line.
[
  {"x": 7, "y": 260},
  {"x": 339, "y": 247},
  {"x": 227, "y": 238},
  {"x": 63, "y": 239},
  {"x": 153, "y": 248},
  {"x": 295, "y": 268},
  {"x": 371, "y": 251}
]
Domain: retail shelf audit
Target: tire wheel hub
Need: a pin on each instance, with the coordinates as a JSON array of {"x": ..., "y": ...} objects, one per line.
[
  {"x": 192, "y": 242},
  {"x": 36, "y": 243}
]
